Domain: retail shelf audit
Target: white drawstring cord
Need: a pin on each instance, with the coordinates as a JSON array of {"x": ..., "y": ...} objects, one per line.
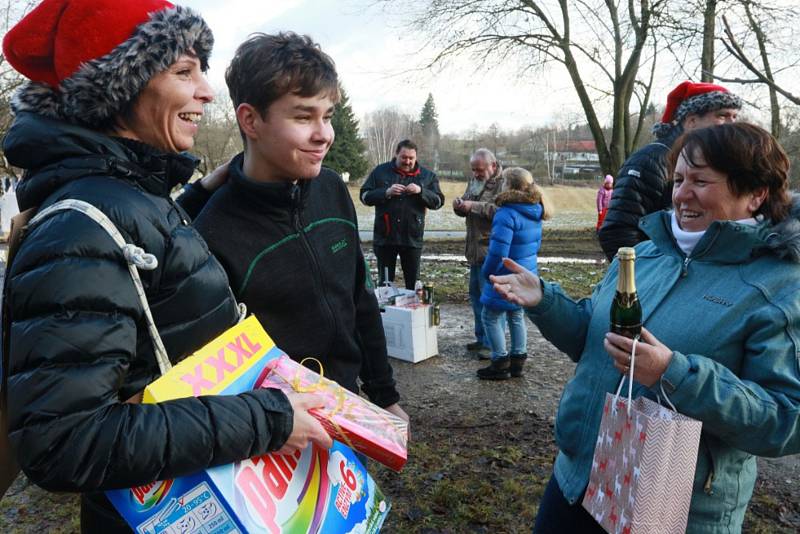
[{"x": 135, "y": 258}]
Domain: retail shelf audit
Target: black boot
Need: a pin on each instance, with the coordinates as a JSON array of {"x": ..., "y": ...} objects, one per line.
[
  {"x": 517, "y": 362},
  {"x": 497, "y": 370}
]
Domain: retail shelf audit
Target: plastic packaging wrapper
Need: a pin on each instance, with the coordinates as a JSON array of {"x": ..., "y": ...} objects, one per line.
[{"x": 348, "y": 418}]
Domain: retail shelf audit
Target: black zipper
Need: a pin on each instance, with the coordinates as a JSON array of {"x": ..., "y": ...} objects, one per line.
[
  {"x": 318, "y": 279},
  {"x": 179, "y": 210},
  {"x": 691, "y": 257},
  {"x": 708, "y": 487}
]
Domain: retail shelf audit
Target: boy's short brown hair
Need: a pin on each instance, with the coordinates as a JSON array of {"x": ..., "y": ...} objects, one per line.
[{"x": 266, "y": 67}]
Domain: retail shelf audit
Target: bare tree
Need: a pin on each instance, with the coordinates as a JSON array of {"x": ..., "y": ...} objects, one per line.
[
  {"x": 756, "y": 18},
  {"x": 383, "y": 129},
  {"x": 598, "y": 42},
  {"x": 11, "y": 11},
  {"x": 709, "y": 35},
  {"x": 218, "y": 137},
  {"x": 688, "y": 32}
]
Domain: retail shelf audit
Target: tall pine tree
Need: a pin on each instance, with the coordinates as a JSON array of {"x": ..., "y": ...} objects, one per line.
[
  {"x": 429, "y": 124},
  {"x": 347, "y": 152}
]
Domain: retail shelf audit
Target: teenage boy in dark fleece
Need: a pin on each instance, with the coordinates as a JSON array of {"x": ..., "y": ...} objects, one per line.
[{"x": 285, "y": 228}]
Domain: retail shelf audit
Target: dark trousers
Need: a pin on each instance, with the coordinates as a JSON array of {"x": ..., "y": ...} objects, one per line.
[
  {"x": 557, "y": 516},
  {"x": 98, "y": 516},
  {"x": 387, "y": 261}
]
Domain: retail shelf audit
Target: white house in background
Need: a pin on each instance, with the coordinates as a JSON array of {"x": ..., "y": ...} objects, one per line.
[
  {"x": 572, "y": 158},
  {"x": 345, "y": 177}
]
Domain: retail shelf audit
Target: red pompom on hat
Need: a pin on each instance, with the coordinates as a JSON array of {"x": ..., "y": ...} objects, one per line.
[
  {"x": 689, "y": 97},
  {"x": 89, "y": 59}
]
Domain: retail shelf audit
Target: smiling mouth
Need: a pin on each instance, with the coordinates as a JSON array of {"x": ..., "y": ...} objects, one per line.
[
  {"x": 194, "y": 118},
  {"x": 689, "y": 214}
]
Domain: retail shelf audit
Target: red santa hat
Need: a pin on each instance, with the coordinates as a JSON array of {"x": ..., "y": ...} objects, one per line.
[
  {"x": 87, "y": 60},
  {"x": 697, "y": 98}
]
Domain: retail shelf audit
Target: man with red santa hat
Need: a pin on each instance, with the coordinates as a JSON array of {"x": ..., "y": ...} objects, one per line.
[{"x": 642, "y": 185}]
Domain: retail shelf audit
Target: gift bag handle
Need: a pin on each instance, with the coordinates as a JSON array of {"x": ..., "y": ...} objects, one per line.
[
  {"x": 630, "y": 383},
  {"x": 630, "y": 378}
]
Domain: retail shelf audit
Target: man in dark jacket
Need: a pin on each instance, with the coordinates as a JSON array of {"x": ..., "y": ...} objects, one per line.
[
  {"x": 402, "y": 191},
  {"x": 642, "y": 186},
  {"x": 285, "y": 229}
]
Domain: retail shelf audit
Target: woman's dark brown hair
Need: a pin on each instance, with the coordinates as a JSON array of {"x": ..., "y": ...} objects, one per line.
[{"x": 748, "y": 154}]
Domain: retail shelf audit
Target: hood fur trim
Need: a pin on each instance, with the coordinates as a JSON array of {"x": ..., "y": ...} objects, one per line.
[
  {"x": 784, "y": 238},
  {"x": 103, "y": 88},
  {"x": 518, "y": 197}
]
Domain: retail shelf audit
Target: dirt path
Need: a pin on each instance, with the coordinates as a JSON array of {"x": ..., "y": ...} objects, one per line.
[{"x": 480, "y": 452}]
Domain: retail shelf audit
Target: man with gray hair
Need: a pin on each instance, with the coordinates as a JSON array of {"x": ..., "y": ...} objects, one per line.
[{"x": 478, "y": 207}]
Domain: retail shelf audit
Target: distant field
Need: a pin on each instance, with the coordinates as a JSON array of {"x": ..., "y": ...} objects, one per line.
[{"x": 574, "y": 207}]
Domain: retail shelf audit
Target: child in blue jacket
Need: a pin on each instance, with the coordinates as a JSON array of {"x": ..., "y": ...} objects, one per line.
[{"x": 516, "y": 234}]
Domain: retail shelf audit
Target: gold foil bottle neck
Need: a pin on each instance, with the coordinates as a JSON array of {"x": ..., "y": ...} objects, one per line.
[
  {"x": 626, "y": 281},
  {"x": 626, "y": 253}
]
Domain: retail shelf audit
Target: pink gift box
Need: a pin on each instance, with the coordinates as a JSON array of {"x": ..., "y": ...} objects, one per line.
[{"x": 348, "y": 418}]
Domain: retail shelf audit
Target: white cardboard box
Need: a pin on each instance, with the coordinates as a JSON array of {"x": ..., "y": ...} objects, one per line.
[{"x": 410, "y": 336}]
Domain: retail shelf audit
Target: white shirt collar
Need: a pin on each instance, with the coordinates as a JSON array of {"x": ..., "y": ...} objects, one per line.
[{"x": 688, "y": 240}]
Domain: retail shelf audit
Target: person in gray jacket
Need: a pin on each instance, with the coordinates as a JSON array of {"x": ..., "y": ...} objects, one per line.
[
  {"x": 477, "y": 207},
  {"x": 718, "y": 282}
]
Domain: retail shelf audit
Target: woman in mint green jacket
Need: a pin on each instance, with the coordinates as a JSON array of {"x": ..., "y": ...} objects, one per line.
[{"x": 719, "y": 285}]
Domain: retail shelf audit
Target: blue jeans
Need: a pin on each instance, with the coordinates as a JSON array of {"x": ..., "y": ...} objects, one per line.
[
  {"x": 475, "y": 286},
  {"x": 495, "y": 331}
]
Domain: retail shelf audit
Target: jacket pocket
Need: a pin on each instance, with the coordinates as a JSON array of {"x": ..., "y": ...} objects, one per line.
[
  {"x": 416, "y": 226},
  {"x": 570, "y": 420},
  {"x": 708, "y": 504}
]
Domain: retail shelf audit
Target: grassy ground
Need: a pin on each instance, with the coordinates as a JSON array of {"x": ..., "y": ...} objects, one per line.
[
  {"x": 577, "y": 279},
  {"x": 574, "y": 208},
  {"x": 451, "y": 279},
  {"x": 481, "y": 473}
]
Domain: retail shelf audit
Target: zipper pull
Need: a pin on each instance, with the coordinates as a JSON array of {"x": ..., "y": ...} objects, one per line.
[
  {"x": 294, "y": 194},
  {"x": 684, "y": 270},
  {"x": 294, "y": 197},
  {"x": 709, "y": 481}
]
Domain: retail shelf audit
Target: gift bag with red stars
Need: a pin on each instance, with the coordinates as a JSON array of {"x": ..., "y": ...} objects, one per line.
[{"x": 643, "y": 467}]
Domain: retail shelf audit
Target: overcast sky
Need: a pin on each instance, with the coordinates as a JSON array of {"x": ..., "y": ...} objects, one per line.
[
  {"x": 375, "y": 59},
  {"x": 371, "y": 50}
]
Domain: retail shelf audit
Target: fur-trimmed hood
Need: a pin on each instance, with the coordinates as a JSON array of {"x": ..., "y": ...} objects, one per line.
[
  {"x": 513, "y": 196},
  {"x": 106, "y": 86},
  {"x": 783, "y": 239}
]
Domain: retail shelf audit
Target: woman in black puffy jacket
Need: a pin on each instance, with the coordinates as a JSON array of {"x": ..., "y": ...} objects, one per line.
[{"x": 116, "y": 92}]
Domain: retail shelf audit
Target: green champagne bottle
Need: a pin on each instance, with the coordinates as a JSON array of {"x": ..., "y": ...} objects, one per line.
[{"x": 626, "y": 311}]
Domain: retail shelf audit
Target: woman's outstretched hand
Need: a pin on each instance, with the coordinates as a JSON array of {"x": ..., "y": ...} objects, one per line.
[
  {"x": 306, "y": 428},
  {"x": 520, "y": 287}
]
